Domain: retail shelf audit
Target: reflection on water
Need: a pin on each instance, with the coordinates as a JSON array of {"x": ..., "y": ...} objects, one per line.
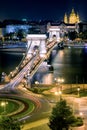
[
  {"x": 48, "y": 78},
  {"x": 69, "y": 64}
]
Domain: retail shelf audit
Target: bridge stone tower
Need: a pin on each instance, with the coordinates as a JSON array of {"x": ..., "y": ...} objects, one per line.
[
  {"x": 36, "y": 44},
  {"x": 54, "y": 32}
]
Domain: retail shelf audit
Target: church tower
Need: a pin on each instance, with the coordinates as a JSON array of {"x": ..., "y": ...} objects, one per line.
[
  {"x": 78, "y": 19},
  {"x": 65, "y": 18},
  {"x": 73, "y": 18}
]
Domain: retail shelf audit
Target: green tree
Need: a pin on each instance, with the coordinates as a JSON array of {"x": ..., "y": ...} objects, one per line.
[
  {"x": 72, "y": 35},
  {"x": 9, "y": 123},
  {"x": 83, "y": 35},
  {"x": 21, "y": 34},
  {"x": 61, "y": 117}
]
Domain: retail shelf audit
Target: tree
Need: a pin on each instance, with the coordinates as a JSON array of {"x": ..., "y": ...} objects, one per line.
[
  {"x": 21, "y": 34},
  {"x": 61, "y": 117},
  {"x": 72, "y": 35},
  {"x": 9, "y": 123},
  {"x": 83, "y": 35}
]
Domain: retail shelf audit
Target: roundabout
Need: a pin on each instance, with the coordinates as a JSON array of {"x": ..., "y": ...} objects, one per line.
[{"x": 16, "y": 106}]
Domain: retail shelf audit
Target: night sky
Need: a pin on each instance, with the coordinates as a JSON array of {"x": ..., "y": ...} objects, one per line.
[{"x": 41, "y": 9}]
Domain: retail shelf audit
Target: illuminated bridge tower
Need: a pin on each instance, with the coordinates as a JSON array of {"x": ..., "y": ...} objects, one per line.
[
  {"x": 54, "y": 32},
  {"x": 36, "y": 44}
]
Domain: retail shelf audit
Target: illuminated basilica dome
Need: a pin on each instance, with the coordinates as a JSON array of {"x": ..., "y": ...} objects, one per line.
[{"x": 73, "y": 18}]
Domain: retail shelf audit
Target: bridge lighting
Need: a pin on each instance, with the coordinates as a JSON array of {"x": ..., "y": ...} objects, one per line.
[
  {"x": 16, "y": 68},
  {"x": 34, "y": 62},
  {"x": 11, "y": 73}
]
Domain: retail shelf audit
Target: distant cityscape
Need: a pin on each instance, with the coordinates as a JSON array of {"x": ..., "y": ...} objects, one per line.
[{"x": 18, "y": 29}]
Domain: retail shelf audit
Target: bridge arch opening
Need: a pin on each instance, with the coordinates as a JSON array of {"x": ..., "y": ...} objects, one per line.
[
  {"x": 36, "y": 49},
  {"x": 54, "y": 33},
  {"x": 37, "y": 42}
]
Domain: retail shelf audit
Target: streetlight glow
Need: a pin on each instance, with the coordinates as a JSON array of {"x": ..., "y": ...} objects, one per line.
[
  {"x": 78, "y": 89},
  {"x": 3, "y": 104},
  {"x": 56, "y": 93},
  {"x": 59, "y": 88}
]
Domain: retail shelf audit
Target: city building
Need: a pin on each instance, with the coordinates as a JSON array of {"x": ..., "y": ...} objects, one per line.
[
  {"x": 82, "y": 26},
  {"x": 60, "y": 30},
  {"x": 73, "y": 18}
]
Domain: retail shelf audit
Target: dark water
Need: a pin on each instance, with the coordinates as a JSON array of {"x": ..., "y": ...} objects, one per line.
[
  {"x": 9, "y": 61},
  {"x": 69, "y": 63}
]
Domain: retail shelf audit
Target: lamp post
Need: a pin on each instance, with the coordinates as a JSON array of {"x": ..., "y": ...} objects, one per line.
[
  {"x": 37, "y": 83},
  {"x": 59, "y": 81},
  {"x": 83, "y": 84},
  {"x": 58, "y": 93},
  {"x": 78, "y": 89},
  {"x": 3, "y": 104},
  {"x": 59, "y": 88}
]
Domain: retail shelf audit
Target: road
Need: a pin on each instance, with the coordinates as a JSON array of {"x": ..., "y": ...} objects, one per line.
[{"x": 35, "y": 124}]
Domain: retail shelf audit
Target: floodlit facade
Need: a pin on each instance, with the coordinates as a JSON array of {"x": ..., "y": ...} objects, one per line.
[
  {"x": 36, "y": 44},
  {"x": 15, "y": 28},
  {"x": 73, "y": 18}
]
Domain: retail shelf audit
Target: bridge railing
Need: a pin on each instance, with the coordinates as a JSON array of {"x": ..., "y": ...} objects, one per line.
[
  {"x": 20, "y": 67},
  {"x": 23, "y": 62}
]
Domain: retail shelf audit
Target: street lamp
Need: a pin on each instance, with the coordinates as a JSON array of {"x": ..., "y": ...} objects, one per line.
[
  {"x": 3, "y": 104},
  {"x": 59, "y": 88},
  {"x": 78, "y": 89},
  {"x": 58, "y": 93},
  {"x": 59, "y": 81},
  {"x": 36, "y": 83},
  {"x": 81, "y": 115}
]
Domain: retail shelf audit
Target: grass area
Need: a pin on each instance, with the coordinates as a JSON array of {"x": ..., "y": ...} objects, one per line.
[
  {"x": 8, "y": 106},
  {"x": 39, "y": 90},
  {"x": 37, "y": 125},
  {"x": 82, "y": 92},
  {"x": 41, "y": 127},
  {"x": 29, "y": 109},
  {"x": 12, "y": 106}
]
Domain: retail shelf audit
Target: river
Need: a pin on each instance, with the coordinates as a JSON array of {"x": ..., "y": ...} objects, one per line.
[{"x": 69, "y": 64}]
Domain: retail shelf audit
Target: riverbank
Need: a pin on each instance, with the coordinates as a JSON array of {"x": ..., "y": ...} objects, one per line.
[
  {"x": 13, "y": 47},
  {"x": 75, "y": 44},
  {"x": 70, "y": 86},
  {"x": 13, "y": 50}
]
